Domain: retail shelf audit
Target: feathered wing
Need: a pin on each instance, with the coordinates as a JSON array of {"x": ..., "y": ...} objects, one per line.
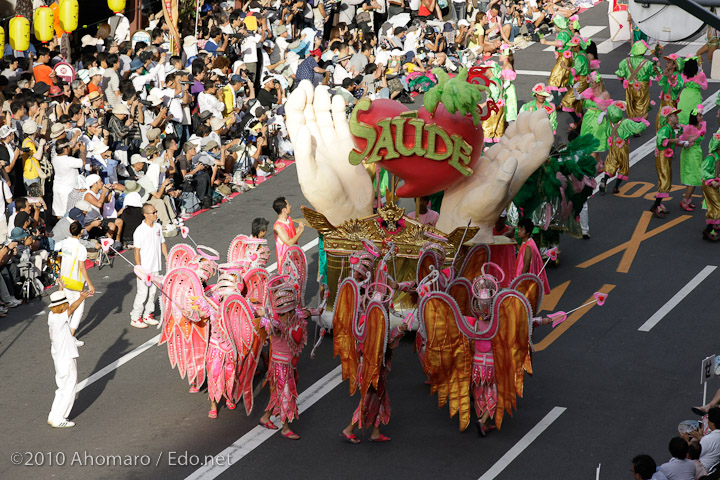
[
  {"x": 255, "y": 281},
  {"x": 510, "y": 346},
  {"x": 345, "y": 316},
  {"x": 531, "y": 286},
  {"x": 236, "y": 250},
  {"x": 460, "y": 290},
  {"x": 375, "y": 338},
  {"x": 248, "y": 339},
  {"x": 476, "y": 257},
  {"x": 295, "y": 265},
  {"x": 186, "y": 338},
  {"x": 448, "y": 355},
  {"x": 180, "y": 256}
]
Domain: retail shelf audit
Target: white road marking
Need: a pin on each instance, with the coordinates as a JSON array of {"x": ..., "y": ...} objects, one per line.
[
  {"x": 524, "y": 442},
  {"x": 255, "y": 437},
  {"x": 605, "y": 76},
  {"x": 608, "y": 46},
  {"x": 117, "y": 363},
  {"x": 588, "y": 31},
  {"x": 677, "y": 298},
  {"x": 153, "y": 341},
  {"x": 690, "y": 49}
]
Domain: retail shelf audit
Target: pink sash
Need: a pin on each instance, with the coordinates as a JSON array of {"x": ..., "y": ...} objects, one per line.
[
  {"x": 536, "y": 263},
  {"x": 280, "y": 248}
]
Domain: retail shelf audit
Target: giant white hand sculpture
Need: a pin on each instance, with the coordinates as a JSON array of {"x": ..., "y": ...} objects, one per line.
[
  {"x": 498, "y": 176},
  {"x": 341, "y": 191},
  {"x": 322, "y": 143}
]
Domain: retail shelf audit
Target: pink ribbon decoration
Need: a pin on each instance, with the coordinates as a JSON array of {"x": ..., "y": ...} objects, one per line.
[
  {"x": 557, "y": 318},
  {"x": 106, "y": 243},
  {"x": 184, "y": 231},
  {"x": 600, "y": 297},
  {"x": 552, "y": 253}
]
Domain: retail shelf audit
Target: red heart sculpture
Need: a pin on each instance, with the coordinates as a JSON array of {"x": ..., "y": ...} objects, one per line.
[
  {"x": 453, "y": 140},
  {"x": 297, "y": 334}
]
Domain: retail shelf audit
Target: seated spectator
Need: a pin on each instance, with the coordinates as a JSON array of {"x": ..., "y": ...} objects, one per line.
[
  {"x": 644, "y": 468},
  {"x": 710, "y": 443},
  {"x": 132, "y": 214},
  {"x": 61, "y": 230},
  {"x": 679, "y": 467},
  {"x": 694, "y": 451},
  {"x": 97, "y": 195}
]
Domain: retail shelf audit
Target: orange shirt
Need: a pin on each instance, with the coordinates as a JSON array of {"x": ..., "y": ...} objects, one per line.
[
  {"x": 94, "y": 88},
  {"x": 42, "y": 74}
]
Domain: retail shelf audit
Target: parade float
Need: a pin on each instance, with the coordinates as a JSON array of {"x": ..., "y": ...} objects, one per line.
[{"x": 437, "y": 148}]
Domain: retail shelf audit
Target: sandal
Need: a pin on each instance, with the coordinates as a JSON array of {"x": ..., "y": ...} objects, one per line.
[
  {"x": 269, "y": 425},
  {"x": 291, "y": 435},
  {"x": 616, "y": 190},
  {"x": 698, "y": 411},
  {"x": 193, "y": 389},
  {"x": 381, "y": 438},
  {"x": 657, "y": 212},
  {"x": 230, "y": 405},
  {"x": 350, "y": 438},
  {"x": 212, "y": 414}
]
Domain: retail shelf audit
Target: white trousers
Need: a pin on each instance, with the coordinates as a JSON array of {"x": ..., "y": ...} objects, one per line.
[
  {"x": 72, "y": 296},
  {"x": 66, "y": 380},
  {"x": 3, "y": 228},
  {"x": 144, "y": 303}
]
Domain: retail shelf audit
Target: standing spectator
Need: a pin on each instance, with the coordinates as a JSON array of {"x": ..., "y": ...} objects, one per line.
[
  {"x": 149, "y": 243},
  {"x": 32, "y": 151},
  {"x": 74, "y": 255},
  {"x": 42, "y": 70},
  {"x": 679, "y": 467},
  {"x": 426, "y": 215},
  {"x": 66, "y": 172},
  {"x": 111, "y": 80},
  {"x": 64, "y": 354}
]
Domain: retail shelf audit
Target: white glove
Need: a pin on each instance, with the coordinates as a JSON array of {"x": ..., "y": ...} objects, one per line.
[{"x": 322, "y": 142}]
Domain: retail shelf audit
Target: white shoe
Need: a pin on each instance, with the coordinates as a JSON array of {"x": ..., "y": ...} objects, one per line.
[
  {"x": 138, "y": 323},
  {"x": 79, "y": 343},
  {"x": 14, "y": 303},
  {"x": 150, "y": 320},
  {"x": 63, "y": 424},
  {"x": 3, "y": 309}
]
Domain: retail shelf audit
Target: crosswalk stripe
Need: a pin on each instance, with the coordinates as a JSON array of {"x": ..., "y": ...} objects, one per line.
[{"x": 587, "y": 31}]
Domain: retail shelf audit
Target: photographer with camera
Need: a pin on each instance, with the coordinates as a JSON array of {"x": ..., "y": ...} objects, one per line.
[
  {"x": 211, "y": 100},
  {"x": 97, "y": 195},
  {"x": 66, "y": 172}
]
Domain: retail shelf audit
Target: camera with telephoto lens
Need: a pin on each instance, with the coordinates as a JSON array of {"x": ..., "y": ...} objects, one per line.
[{"x": 145, "y": 102}]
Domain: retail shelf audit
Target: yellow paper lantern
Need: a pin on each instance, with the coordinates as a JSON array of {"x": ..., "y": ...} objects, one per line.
[
  {"x": 44, "y": 24},
  {"x": 69, "y": 11},
  {"x": 116, "y": 5},
  {"x": 2, "y": 39},
  {"x": 19, "y": 33}
]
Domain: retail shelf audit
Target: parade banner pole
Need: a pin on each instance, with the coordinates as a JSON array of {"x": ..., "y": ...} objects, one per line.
[{"x": 197, "y": 16}]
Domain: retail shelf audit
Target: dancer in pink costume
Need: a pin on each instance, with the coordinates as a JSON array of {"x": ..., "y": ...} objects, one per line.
[
  {"x": 529, "y": 259},
  {"x": 286, "y": 323}
]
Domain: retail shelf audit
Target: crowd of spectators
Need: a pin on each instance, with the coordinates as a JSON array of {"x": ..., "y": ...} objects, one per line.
[
  {"x": 138, "y": 123},
  {"x": 694, "y": 453}
]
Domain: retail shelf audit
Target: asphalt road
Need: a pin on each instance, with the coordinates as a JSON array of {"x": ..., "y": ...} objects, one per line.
[{"x": 621, "y": 391}]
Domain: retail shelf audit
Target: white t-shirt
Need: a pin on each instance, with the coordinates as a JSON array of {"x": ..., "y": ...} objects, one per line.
[
  {"x": 249, "y": 48},
  {"x": 62, "y": 342},
  {"x": 149, "y": 240},
  {"x": 710, "y": 444},
  {"x": 340, "y": 74},
  {"x": 66, "y": 170},
  {"x": 414, "y": 5},
  {"x": 72, "y": 254}
]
